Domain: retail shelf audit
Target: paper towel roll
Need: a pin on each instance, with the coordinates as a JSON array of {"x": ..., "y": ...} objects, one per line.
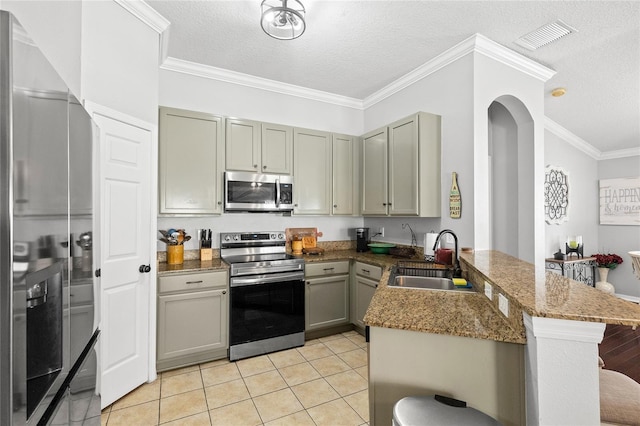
[{"x": 429, "y": 241}]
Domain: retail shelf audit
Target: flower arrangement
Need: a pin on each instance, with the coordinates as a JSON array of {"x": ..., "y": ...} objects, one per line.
[{"x": 610, "y": 261}]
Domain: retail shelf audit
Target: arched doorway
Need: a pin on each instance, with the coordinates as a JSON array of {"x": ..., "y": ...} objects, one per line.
[{"x": 511, "y": 178}]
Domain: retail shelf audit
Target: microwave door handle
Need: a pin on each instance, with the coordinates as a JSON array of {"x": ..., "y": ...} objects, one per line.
[{"x": 277, "y": 192}]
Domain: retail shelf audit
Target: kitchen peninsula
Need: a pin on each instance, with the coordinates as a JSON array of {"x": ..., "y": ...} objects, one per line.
[{"x": 458, "y": 344}]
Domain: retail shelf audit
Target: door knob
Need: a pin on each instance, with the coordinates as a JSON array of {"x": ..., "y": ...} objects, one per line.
[
  {"x": 98, "y": 272},
  {"x": 144, "y": 268}
]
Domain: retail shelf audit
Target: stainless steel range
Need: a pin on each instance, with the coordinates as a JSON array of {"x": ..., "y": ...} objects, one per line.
[{"x": 267, "y": 293}]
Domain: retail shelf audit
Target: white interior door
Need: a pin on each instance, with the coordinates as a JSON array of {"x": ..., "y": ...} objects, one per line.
[{"x": 125, "y": 177}]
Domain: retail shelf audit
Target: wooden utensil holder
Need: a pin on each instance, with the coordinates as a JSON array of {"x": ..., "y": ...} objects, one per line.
[{"x": 175, "y": 254}]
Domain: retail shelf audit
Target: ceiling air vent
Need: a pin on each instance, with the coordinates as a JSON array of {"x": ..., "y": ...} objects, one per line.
[{"x": 545, "y": 35}]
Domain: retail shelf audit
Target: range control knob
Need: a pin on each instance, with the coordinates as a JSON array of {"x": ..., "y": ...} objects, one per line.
[
  {"x": 227, "y": 238},
  {"x": 236, "y": 237},
  {"x": 280, "y": 236},
  {"x": 272, "y": 236}
]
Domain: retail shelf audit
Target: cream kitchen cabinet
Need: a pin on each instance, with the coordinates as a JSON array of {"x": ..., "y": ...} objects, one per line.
[
  {"x": 327, "y": 295},
  {"x": 312, "y": 172},
  {"x": 191, "y": 162},
  {"x": 366, "y": 279},
  {"x": 344, "y": 175},
  {"x": 258, "y": 147},
  {"x": 192, "y": 318},
  {"x": 401, "y": 168}
]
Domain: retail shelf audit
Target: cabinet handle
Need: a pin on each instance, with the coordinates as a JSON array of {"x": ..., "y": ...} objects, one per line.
[
  {"x": 366, "y": 271},
  {"x": 295, "y": 205},
  {"x": 255, "y": 166},
  {"x": 384, "y": 204},
  {"x": 219, "y": 203},
  {"x": 224, "y": 291},
  {"x": 328, "y": 269},
  {"x": 264, "y": 167},
  {"x": 194, "y": 282},
  {"x": 308, "y": 282},
  {"x": 389, "y": 203},
  {"x": 335, "y": 206}
]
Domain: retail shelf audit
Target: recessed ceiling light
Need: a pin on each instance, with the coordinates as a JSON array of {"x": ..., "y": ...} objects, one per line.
[
  {"x": 545, "y": 35},
  {"x": 559, "y": 91}
]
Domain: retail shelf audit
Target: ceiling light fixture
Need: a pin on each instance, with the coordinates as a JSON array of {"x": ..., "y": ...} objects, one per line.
[{"x": 283, "y": 19}]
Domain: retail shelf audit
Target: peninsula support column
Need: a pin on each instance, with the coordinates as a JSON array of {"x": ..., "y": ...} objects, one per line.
[{"x": 561, "y": 362}]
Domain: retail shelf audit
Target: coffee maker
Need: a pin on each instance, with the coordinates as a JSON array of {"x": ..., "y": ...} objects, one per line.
[{"x": 362, "y": 239}]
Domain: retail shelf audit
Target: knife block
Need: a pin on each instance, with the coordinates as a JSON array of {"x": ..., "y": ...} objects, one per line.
[{"x": 206, "y": 254}]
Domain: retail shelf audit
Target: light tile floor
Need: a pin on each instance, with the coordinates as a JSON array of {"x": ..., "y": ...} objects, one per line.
[{"x": 321, "y": 383}]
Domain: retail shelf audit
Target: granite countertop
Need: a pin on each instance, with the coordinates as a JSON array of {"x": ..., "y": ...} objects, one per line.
[
  {"x": 193, "y": 265},
  {"x": 465, "y": 314},
  {"x": 542, "y": 293}
]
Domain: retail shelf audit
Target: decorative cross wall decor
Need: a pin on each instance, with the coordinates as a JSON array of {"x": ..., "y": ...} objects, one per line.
[{"x": 556, "y": 195}]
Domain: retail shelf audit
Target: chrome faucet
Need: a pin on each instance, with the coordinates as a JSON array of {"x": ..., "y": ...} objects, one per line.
[{"x": 457, "y": 272}]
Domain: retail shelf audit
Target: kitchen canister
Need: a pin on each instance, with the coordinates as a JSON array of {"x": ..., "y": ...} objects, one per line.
[{"x": 175, "y": 254}]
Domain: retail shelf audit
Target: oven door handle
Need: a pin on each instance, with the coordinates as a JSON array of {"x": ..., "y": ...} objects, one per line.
[{"x": 265, "y": 279}]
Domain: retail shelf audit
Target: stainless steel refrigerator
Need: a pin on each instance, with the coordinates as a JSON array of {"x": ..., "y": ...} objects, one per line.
[{"x": 48, "y": 287}]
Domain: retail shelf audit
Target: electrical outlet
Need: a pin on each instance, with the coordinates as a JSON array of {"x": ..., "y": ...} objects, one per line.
[
  {"x": 488, "y": 290},
  {"x": 382, "y": 232},
  {"x": 503, "y": 304}
]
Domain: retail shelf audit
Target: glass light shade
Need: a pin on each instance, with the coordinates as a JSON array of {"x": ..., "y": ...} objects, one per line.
[
  {"x": 574, "y": 241},
  {"x": 283, "y": 19}
]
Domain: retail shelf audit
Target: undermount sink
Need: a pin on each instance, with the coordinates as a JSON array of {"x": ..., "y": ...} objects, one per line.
[{"x": 426, "y": 283}]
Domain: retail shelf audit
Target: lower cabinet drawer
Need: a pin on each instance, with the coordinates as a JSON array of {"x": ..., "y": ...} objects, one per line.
[
  {"x": 197, "y": 281},
  {"x": 369, "y": 271},
  {"x": 326, "y": 268}
]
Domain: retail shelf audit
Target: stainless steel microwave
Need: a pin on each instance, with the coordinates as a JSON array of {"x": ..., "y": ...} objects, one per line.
[{"x": 252, "y": 192}]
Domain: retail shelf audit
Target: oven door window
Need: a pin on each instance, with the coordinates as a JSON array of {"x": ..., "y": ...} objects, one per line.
[
  {"x": 251, "y": 193},
  {"x": 263, "y": 311}
]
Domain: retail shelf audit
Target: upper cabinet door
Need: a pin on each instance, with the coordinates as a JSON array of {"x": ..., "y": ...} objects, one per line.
[
  {"x": 277, "y": 149},
  {"x": 243, "y": 145},
  {"x": 403, "y": 167},
  {"x": 343, "y": 175},
  {"x": 191, "y": 158},
  {"x": 312, "y": 172},
  {"x": 374, "y": 173}
]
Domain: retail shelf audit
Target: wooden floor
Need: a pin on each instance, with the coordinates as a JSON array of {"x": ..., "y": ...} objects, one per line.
[{"x": 620, "y": 350}]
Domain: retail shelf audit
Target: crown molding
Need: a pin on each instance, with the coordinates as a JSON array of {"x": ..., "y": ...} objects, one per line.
[
  {"x": 620, "y": 153},
  {"x": 511, "y": 58},
  {"x": 476, "y": 43},
  {"x": 571, "y": 138},
  {"x": 154, "y": 20},
  {"x": 221, "y": 74}
]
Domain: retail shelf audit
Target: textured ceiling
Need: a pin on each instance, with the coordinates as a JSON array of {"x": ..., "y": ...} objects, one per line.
[{"x": 355, "y": 48}]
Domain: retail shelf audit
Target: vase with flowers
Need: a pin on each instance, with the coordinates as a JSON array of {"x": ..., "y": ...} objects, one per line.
[{"x": 605, "y": 263}]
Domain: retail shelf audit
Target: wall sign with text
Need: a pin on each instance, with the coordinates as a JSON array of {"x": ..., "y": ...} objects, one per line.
[{"x": 620, "y": 201}]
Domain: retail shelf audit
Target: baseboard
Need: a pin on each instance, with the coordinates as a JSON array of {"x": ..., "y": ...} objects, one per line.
[{"x": 634, "y": 299}]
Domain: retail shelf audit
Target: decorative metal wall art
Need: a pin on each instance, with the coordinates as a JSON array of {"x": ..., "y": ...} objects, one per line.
[{"x": 556, "y": 195}]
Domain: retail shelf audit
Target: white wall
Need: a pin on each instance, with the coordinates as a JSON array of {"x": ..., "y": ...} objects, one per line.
[
  {"x": 120, "y": 57},
  {"x": 583, "y": 196},
  {"x": 618, "y": 239},
  {"x": 55, "y": 28}
]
